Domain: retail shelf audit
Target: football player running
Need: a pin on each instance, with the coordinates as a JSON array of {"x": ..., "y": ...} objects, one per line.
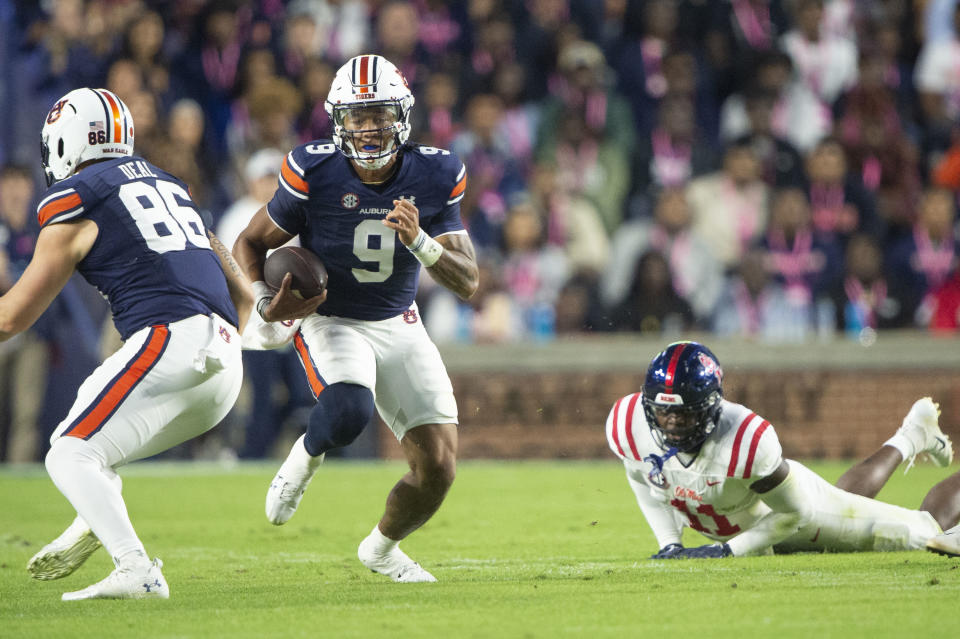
[
  {"x": 132, "y": 231},
  {"x": 376, "y": 209},
  {"x": 695, "y": 459}
]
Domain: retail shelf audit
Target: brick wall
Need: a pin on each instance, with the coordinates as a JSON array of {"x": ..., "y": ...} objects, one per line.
[{"x": 817, "y": 413}]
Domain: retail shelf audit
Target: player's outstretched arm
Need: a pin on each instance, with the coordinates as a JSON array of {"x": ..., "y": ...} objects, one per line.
[
  {"x": 659, "y": 516},
  {"x": 60, "y": 247},
  {"x": 241, "y": 292}
]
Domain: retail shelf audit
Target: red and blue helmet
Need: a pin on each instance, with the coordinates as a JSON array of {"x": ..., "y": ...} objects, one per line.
[{"x": 684, "y": 380}]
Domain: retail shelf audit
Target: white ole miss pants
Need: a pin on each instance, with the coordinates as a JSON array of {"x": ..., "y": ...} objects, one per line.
[
  {"x": 844, "y": 522},
  {"x": 394, "y": 358},
  {"x": 168, "y": 383}
]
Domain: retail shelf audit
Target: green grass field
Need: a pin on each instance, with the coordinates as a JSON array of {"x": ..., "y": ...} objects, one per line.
[{"x": 521, "y": 550}]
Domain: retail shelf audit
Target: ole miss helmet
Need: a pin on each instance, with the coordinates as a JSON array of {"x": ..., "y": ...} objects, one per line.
[{"x": 685, "y": 381}]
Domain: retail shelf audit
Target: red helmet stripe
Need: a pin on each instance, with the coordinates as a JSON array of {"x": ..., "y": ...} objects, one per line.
[
  {"x": 364, "y": 68},
  {"x": 672, "y": 367},
  {"x": 117, "y": 115},
  {"x": 106, "y": 110}
]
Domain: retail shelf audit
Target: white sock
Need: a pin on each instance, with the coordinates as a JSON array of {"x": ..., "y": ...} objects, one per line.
[
  {"x": 76, "y": 470},
  {"x": 77, "y": 527},
  {"x": 903, "y": 444},
  {"x": 380, "y": 542},
  {"x": 304, "y": 459},
  {"x": 135, "y": 559}
]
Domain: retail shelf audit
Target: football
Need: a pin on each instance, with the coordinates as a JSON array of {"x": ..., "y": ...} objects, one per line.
[{"x": 309, "y": 273}]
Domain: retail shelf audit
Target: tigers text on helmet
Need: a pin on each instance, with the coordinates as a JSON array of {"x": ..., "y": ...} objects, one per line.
[
  {"x": 369, "y": 90},
  {"x": 684, "y": 386},
  {"x": 85, "y": 124}
]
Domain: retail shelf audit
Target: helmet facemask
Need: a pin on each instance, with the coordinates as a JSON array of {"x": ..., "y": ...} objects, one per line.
[
  {"x": 45, "y": 160},
  {"x": 370, "y": 133},
  {"x": 370, "y": 104},
  {"x": 682, "y": 396},
  {"x": 683, "y": 427}
]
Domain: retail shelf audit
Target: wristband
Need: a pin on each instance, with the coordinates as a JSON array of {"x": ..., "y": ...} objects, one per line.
[
  {"x": 426, "y": 249},
  {"x": 263, "y": 295}
]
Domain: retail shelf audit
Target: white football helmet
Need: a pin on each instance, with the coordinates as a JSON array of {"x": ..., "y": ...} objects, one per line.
[
  {"x": 369, "y": 88},
  {"x": 85, "y": 124}
]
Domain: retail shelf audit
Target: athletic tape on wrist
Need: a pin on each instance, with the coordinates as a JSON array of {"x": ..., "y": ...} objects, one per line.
[
  {"x": 263, "y": 294},
  {"x": 426, "y": 249}
]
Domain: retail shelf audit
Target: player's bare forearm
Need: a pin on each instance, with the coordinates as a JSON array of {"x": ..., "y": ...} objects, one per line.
[
  {"x": 252, "y": 245},
  {"x": 241, "y": 293},
  {"x": 457, "y": 267}
]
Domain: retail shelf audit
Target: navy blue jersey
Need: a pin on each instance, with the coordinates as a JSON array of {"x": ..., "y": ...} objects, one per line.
[
  {"x": 152, "y": 258},
  {"x": 371, "y": 274}
]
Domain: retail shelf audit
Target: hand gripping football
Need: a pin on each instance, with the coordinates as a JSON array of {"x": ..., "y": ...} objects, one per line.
[{"x": 309, "y": 273}]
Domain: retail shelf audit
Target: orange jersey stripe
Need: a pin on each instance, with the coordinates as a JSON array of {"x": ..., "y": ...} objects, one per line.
[
  {"x": 459, "y": 188},
  {"x": 119, "y": 390},
  {"x": 312, "y": 378},
  {"x": 117, "y": 124},
  {"x": 292, "y": 178},
  {"x": 58, "y": 206}
]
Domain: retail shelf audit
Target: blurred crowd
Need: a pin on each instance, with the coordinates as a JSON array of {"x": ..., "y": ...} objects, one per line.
[{"x": 782, "y": 170}]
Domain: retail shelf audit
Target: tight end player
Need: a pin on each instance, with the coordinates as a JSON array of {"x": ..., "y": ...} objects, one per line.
[
  {"x": 376, "y": 210},
  {"x": 132, "y": 231},
  {"x": 695, "y": 459}
]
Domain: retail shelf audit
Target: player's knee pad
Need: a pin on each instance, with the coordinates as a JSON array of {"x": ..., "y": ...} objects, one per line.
[{"x": 341, "y": 413}]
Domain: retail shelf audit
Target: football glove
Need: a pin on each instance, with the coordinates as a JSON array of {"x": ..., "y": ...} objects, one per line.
[
  {"x": 670, "y": 551},
  {"x": 710, "y": 551},
  {"x": 260, "y": 335}
]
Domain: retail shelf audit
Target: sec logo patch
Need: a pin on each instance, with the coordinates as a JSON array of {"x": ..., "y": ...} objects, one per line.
[{"x": 349, "y": 201}]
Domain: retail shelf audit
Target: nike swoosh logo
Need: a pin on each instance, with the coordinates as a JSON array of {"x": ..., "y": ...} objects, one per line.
[{"x": 712, "y": 483}]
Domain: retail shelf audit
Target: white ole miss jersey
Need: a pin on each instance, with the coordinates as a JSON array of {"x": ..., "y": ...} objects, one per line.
[{"x": 710, "y": 491}]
